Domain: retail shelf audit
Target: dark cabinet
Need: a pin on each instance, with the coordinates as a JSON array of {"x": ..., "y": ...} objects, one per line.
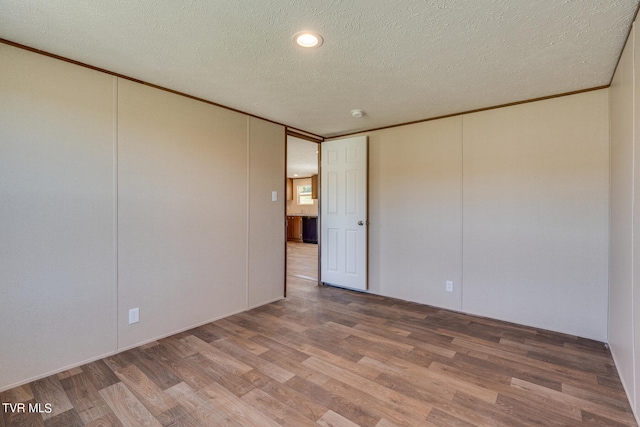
[{"x": 310, "y": 229}]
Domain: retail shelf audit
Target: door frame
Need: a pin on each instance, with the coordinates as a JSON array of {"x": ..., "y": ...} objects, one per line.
[{"x": 318, "y": 140}]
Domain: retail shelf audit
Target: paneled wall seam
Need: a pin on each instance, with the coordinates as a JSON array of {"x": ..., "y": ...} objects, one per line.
[
  {"x": 462, "y": 213},
  {"x": 115, "y": 208},
  {"x": 634, "y": 208},
  {"x": 610, "y": 216},
  {"x": 248, "y": 215}
]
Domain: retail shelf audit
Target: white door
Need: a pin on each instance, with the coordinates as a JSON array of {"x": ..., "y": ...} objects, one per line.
[{"x": 343, "y": 214}]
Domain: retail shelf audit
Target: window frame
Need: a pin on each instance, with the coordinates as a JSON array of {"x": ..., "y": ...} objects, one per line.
[{"x": 300, "y": 194}]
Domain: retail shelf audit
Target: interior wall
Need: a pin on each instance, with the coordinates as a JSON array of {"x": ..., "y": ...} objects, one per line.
[
  {"x": 182, "y": 246},
  {"x": 536, "y": 214},
  {"x": 267, "y": 165},
  {"x": 115, "y": 195},
  {"x": 510, "y": 204},
  {"x": 57, "y": 264},
  {"x": 623, "y": 283},
  {"x": 415, "y": 212}
]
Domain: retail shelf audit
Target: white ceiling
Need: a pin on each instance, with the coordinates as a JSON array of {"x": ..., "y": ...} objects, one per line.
[
  {"x": 302, "y": 158},
  {"x": 399, "y": 60}
]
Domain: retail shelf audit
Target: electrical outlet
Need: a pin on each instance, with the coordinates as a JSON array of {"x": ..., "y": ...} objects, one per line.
[
  {"x": 134, "y": 315},
  {"x": 449, "y": 286}
]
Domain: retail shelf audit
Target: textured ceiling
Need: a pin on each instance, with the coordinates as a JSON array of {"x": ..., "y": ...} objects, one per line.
[
  {"x": 399, "y": 60},
  {"x": 302, "y": 158}
]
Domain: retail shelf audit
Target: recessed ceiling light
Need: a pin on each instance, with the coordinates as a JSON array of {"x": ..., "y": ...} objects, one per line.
[
  {"x": 308, "y": 39},
  {"x": 357, "y": 113}
]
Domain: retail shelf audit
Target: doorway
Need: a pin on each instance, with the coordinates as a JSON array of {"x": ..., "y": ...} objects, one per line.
[{"x": 302, "y": 212}]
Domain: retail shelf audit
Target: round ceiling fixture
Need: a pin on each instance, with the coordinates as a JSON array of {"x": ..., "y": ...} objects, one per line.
[
  {"x": 308, "y": 39},
  {"x": 357, "y": 113}
]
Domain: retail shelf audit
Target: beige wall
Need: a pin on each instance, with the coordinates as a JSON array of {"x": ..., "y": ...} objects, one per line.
[
  {"x": 182, "y": 203},
  {"x": 536, "y": 214},
  {"x": 415, "y": 212},
  {"x": 57, "y": 265},
  {"x": 194, "y": 217},
  {"x": 267, "y": 164},
  {"x": 624, "y": 291},
  {"x": 510, "y": 204}
]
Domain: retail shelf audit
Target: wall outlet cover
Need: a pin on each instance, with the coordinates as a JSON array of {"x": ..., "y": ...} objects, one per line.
[
  {"x": 449, "y": 286},
  {"x": 134, "y": 315}
]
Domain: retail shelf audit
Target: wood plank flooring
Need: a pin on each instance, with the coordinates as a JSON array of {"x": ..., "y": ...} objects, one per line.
[
  {"x": 302, "y": 260},
  {"x": 331, "y": 357}
]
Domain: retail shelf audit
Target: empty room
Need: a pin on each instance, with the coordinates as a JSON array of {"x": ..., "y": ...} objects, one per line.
[{"x": 459, "y": 251}]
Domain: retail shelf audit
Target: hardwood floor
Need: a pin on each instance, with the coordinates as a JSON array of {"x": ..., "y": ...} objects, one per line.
[
  {"x": 302, "y": 260},
  {"x": 331, "y": 357}
]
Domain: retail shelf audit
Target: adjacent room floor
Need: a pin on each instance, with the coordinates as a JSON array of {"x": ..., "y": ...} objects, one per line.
[
  {"x": 302, "y": 261},
  {"x": 331, "y": 357}
]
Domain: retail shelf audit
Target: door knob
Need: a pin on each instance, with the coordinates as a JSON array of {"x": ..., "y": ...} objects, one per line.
[{"x": 361, "y": 222}]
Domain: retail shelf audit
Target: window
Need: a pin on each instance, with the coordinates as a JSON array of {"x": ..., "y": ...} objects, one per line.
[{"x": 304, "y": 195}]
